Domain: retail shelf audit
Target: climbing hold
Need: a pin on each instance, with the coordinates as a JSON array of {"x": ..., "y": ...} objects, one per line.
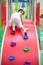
[
  {"x": 25, "y": 36},
  {"x": 26, "y": 16},
  {"x": 13, "y": 43},
  {"x": 27, "y": 63},
  {"x": 26, "y": 29},
  {"x": 26, "y": 49},
  {"x": 11, "y": 57}
]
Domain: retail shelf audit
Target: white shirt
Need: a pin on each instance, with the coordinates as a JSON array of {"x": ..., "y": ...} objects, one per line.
[{"x": 16, "y": 15}]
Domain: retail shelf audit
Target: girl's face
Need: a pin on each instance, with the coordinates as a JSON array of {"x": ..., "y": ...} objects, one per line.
[{"x": 21, "y": 12}]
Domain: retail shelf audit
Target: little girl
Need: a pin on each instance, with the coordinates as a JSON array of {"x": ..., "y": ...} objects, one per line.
[{"x": 16, "y": 20}]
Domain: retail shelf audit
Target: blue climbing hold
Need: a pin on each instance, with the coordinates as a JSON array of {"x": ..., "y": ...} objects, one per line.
[
  {"x": 25, "y": 36},
  {"x": 13, "y": 43},
  {"x": 11, "y": 57},
  {"x": 27, "y": 63}
]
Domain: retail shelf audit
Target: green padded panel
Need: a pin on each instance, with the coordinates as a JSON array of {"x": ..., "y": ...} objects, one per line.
[
  {"x": 0, "y": 24},
  {"x": 38, "y": 31},
  {"x": 1, "y": 35},
  {"x": 41, "y": 56}
]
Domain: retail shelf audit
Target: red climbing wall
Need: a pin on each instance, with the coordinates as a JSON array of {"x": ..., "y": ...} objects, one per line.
[{"x": 17, "y": 51}]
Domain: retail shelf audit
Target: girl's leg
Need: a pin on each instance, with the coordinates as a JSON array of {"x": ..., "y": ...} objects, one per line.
[{"x": 13, "y": 27}]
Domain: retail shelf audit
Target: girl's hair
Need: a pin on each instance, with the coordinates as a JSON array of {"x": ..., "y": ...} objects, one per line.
[{"x": 21, "y": 11}]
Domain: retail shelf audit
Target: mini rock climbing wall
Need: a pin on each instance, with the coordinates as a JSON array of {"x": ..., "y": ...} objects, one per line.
[{"x": 20, "y": 51}]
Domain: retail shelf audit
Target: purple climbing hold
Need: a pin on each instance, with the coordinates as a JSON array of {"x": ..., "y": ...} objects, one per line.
[
  {"x": 27, "y": 63},
  {"x": 13, "y": 43}
]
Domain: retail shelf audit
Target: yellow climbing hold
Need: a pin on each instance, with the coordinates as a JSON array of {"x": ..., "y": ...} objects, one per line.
[{"x": 26, "y": 29}]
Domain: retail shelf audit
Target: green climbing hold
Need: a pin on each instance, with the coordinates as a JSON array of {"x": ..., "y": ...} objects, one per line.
[{"x": 26, "y": 49}]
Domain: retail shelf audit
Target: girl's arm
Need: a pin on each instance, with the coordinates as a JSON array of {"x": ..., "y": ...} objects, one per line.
[{"x": 21, "y": 19}]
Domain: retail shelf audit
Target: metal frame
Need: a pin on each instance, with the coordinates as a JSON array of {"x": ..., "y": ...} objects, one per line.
[
  {"x": 35, "y": 1},
  {"x": 32, "y": 9}
]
